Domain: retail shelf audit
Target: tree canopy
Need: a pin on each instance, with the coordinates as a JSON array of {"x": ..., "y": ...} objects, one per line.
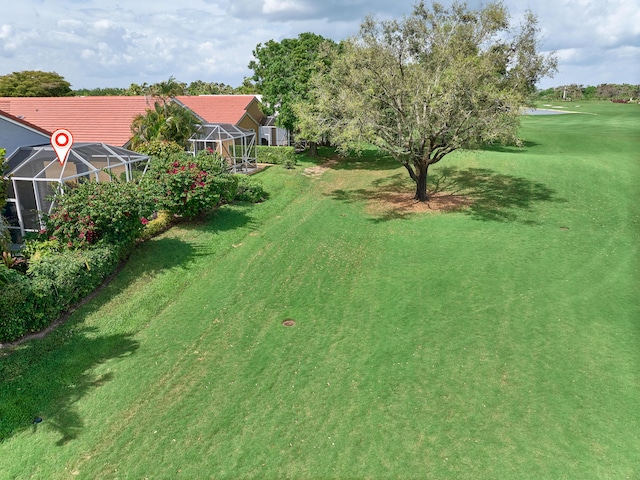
[
  {"x": 428, "y": 84},
  {"x": 34, "y": 83},
  {"x": 282, "y": 71}
]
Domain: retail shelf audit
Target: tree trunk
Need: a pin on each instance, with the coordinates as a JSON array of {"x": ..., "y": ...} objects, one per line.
[
  {"x": 313, "y": 149},
  {"x": 421, "y": 183}
]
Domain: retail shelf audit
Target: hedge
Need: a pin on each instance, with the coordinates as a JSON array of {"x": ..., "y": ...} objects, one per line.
[
  {"x": 276, "y": 155},
  {"x": 29, "y": 303}
]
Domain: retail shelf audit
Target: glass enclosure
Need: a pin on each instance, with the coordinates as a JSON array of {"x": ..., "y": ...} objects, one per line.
[
  {"x": 237, "y": 145},
  {"x": 35, "y": 175}
]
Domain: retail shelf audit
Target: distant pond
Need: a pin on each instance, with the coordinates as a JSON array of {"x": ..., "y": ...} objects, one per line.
[{"x": 539, "y": 111}]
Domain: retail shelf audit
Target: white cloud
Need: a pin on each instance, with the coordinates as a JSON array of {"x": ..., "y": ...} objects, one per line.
[
  {"x": 284, "y": 6},
  {"x": 5, "y": 31}
]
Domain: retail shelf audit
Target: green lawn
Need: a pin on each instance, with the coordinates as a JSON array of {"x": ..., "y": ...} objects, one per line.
[{"x": 500, "y": 341}]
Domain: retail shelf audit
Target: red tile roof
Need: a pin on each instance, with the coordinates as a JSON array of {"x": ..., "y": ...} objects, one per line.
[
  {"x": 89, "y": 119},
  {"x": 219, "y": 108},
  {"x": 108, "y": 119}
]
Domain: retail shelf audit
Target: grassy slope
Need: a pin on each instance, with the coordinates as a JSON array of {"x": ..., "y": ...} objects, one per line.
[{"x": 500, "y": 342}]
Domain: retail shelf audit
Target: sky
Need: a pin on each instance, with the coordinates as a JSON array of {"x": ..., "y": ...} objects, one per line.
[{"x": 106, "y": 43}]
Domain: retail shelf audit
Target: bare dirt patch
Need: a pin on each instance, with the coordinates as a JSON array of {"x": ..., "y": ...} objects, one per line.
[
  {"x": 403, "y": 203},
  {"x": 315, "y": 172}
]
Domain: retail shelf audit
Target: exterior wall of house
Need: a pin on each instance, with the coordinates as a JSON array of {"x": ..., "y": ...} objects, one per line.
[
  {"x": 254, "y": 117},
  {"x": 249, "y": 124},
  {"x": 274, "y": 136},
  {"x": 13, "y": 136}
]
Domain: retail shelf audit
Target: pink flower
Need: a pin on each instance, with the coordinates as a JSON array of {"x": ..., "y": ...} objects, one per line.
[{"x": 144, "y": 221}]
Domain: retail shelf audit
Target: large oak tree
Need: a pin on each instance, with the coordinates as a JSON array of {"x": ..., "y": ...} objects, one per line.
[{"x": 425, "y": 85}]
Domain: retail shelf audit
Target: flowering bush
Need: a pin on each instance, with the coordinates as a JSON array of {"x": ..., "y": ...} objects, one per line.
[
  {"x": 105, "y": 213},
  {"x": 187, "y": 185}
]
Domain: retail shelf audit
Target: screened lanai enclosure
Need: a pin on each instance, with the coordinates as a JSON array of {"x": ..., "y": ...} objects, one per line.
[
  {"x": 35, "y": 175},
  {"x": 237, "y": 145}
]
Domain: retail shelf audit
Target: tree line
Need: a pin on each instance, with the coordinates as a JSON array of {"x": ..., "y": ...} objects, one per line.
[
  {"x": 604, "y": 91},
  {"x": 35, "y": 83}
]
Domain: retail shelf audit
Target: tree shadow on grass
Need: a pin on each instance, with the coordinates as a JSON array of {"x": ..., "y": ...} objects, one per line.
[
  {"x": 496, "y": 197},
  {"x": 526, "y": 145},
  {"x": 479, "y": 192},
  {"x": 367, "y": 159},
  {"x": 223, "y": 219},
  {"x": 41, "y": 381}
]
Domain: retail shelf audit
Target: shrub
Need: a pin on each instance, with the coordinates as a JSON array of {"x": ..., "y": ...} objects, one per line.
[
  {"x": 105, "y": 213},
  {"x": 277, "y": 155},
  {"x": 186, "y": 185},
  {"x": 162, "y": 221},
  {"x": 250, "y": 190},
  {"x": 160, "y": 149},
  {"x": 227, "y": 186},
  {"x": 14, "y": 300},
  {"x": 53, "y": 283}
]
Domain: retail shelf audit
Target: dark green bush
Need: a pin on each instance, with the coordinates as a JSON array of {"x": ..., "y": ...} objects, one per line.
[
  {"x": 250, "y": 190},
  {"x": 15, "y": 292},
  {"x": 276, "y": 155},
  {"x": 227, "y": 186},
  {"x": 29, "y": 303}
]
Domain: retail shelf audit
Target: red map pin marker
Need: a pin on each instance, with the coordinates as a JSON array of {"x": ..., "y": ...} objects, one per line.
[{"x": 61, "y": 140}]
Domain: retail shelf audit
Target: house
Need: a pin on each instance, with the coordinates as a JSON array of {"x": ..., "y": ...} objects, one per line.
[
  {"x": 243, "y": 111},
  {"x": 34, "y": 173},
  {"x": 89, "y": 119},
  {"x": 272, "y": 135},
  {"x": 16, "y": 132},
  {"x": 108, "y": 119},
  {"x": 230, "y": 125}
]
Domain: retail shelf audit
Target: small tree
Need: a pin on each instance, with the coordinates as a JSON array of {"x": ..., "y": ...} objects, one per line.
[
  {"x": 165, "y": 121},
  {"x": 164, "y": 91},
  {"x": 428, "y": 84}
]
